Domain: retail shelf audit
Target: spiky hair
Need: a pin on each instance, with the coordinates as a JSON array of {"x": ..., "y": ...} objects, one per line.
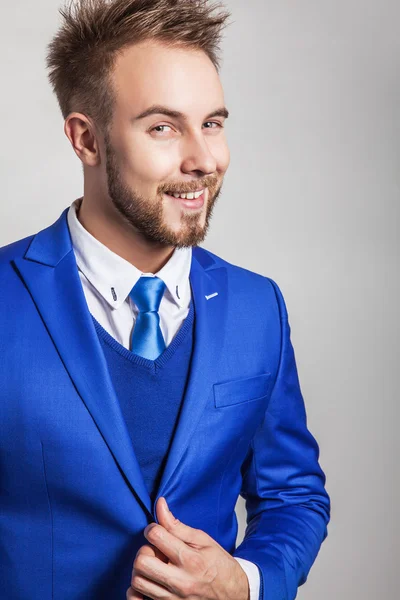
[{"x": 82, "y": 54}]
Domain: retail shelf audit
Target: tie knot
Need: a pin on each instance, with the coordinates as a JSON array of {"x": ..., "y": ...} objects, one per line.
[{"x": 147, "y": 293}]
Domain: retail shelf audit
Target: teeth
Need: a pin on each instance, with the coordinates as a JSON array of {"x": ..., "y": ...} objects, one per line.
[{"x": 188, "y": 196}]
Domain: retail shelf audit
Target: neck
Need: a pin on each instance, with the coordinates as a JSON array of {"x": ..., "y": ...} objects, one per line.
[{"x": 108, "y": 228}]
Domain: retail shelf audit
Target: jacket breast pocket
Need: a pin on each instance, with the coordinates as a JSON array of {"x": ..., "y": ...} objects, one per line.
[{"x": 240, "y": 391}]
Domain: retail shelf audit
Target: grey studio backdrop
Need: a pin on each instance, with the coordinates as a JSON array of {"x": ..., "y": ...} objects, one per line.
[{"x": 310, "y": 199}]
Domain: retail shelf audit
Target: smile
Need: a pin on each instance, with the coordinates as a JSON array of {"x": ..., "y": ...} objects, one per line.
[
  {"x": 190, "y": 200},
  {"x": 186, "y": 196}
]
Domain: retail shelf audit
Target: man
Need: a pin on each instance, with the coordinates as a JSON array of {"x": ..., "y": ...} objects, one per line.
[{"x": 140, "y": 372}]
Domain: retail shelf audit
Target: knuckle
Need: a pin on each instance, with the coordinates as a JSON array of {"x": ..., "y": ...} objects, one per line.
[
  {"x": 155, "y": 533},
  {"x": 188, "y": 589},
  {"x": 140, "y": 562},
  {"x": 201, "y": 535},
  {"x": 210, "y": 574},
  {"x": 194, "y": 561},
  {"x": 137, "y": 582},
  {"x": 140, "y": 551},
  {"x": 145, "y": 550},
  {"x": 175, "y": 586}
]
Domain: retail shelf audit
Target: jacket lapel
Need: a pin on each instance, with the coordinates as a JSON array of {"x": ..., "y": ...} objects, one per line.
[
  {"x": 209, "y": 292},
  {"x": 50, "y": 273}
]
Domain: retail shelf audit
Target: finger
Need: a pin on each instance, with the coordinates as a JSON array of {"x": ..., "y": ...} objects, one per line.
[
  {"x": 160, "y": 555},
  {"x": 166, "y": 542},
  {"x": 150, "y": 550},
  {"x": 167, "y": 575},
  {"x": 195, "y": 537},
  {"x": 147, "y": 550},
  {"x": 133, "y": 595},
  {"x": 146, "y": 587}
]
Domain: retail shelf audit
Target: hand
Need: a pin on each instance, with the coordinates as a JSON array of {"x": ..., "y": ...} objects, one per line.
[{"x": 183, "y": 562}]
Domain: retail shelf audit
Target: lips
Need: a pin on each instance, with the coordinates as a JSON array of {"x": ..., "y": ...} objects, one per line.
[
  {"x": 171, "y": 193},
  {"x": 187, "y": 203}
]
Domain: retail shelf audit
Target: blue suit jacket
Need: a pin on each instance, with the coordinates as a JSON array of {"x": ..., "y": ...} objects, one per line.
[{"x": 73, "y": 503}]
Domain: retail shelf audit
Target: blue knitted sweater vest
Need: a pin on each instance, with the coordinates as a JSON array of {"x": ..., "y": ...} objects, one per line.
[{"x": 150, "y": 393}]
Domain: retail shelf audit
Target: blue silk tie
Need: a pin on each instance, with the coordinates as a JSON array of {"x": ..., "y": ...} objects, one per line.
[{"x": 147, "y": 338}]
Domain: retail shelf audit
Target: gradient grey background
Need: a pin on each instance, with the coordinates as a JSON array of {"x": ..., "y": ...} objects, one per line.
[{"x": 310, "y": 199}]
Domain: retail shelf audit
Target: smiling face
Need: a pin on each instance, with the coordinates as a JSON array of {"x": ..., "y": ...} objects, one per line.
[{"x": 167, "y": 134}]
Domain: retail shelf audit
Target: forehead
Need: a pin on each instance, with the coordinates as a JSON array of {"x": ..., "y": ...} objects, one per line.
[{"x": 150, "y": 73}]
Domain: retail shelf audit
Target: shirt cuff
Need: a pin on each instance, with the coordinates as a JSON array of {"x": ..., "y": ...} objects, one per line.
[{"x": 253, "y": 575}]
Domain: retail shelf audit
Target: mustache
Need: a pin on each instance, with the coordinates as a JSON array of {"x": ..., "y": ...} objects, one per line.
[{"x": 192, "y": 186}]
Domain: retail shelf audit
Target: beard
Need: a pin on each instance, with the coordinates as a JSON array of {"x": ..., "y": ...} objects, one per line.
[{"x": 146, "y": 215}]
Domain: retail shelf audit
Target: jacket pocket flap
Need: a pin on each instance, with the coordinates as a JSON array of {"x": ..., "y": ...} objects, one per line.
[{"x": 238, "y": 391}]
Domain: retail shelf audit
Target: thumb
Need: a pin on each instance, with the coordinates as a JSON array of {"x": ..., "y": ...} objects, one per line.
[{"x": 190, "y": 535}]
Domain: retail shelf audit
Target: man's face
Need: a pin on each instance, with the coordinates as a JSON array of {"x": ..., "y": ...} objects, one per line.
[{"x": 148, "y": 156}]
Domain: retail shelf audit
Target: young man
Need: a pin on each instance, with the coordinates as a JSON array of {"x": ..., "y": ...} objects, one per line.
[{"x": 137, "y": 368}]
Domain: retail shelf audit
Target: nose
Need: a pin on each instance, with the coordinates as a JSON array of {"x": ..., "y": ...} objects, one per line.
[{"x": 197, "y": 156}]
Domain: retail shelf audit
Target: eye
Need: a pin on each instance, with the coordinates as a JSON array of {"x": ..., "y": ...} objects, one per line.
[
  {"x": 157, "y": 127},
  {"x": 214, "y": 123},
  {"x": 160, "y": 128}
]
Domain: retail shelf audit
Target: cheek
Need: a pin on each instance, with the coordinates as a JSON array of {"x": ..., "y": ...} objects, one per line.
[
  {"x": 156, "y": 166},
  {"x": 222, "y": 156},
  {"x": 144, "y": 163},
  {"x": 227, "y": 159}
]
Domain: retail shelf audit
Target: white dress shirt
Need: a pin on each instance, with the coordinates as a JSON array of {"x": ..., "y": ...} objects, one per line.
[{"x": 107, "y": 280}]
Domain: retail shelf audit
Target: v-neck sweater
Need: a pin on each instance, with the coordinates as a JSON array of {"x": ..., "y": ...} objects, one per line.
[{"x": 150, "y": 394}]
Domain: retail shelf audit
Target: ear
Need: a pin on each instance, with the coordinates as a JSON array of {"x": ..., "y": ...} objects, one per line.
[{"x": 83, "y": 138}]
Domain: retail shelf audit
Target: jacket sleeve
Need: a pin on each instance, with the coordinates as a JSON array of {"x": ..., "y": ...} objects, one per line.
[{"x": 288, "y": 508}]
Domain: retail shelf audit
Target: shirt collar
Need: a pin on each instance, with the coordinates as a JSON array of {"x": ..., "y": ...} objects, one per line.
[{"x": 114, "y": 277}]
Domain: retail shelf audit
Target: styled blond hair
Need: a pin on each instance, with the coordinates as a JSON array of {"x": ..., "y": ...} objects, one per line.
[{"x": 82, "y": 54}]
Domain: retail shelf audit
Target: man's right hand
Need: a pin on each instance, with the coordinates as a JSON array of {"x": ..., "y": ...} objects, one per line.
[{"x": 149, "y": 550}]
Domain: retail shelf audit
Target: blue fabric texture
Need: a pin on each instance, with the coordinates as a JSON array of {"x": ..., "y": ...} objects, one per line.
[
  {"x": 73, "y": 498},
  {"x": 147, "y": 338},
  {"x": 150, "y": 394}
]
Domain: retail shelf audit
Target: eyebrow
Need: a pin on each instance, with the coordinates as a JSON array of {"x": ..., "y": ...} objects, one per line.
[{"x": 157, "y": 109}]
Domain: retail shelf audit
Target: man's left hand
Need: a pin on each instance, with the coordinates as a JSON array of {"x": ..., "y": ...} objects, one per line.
[{"x": 183, "y": 562}]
